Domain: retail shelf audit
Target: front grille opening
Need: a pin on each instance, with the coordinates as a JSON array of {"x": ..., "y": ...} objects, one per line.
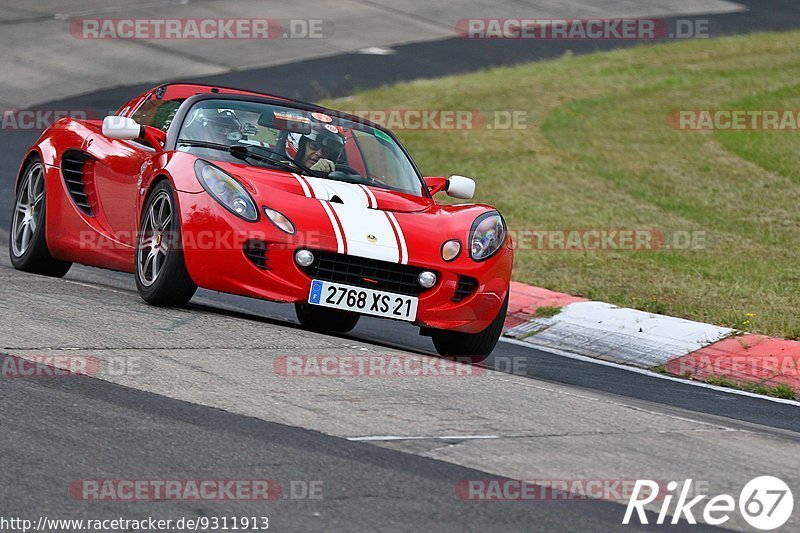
[
  {"x": 363, "y": 272},
  {"x": 465, "y": 287},
  {"x": 73, "y": 168},
  {"x": 256, "y": 252}
]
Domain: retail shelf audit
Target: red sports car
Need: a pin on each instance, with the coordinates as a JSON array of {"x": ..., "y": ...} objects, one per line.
[{"x": 192, "y": 186}]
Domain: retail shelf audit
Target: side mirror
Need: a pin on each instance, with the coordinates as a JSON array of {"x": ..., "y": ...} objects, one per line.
[
  {"x": 123, "y": 128},
  {"x": 127, "y": 129},
  {"x": 435, "y": 184},
  {"x": 460, "y": 187}
]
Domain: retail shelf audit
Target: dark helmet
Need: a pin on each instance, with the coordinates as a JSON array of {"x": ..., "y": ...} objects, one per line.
[
  {"x": 331, "y": 142},
  {"x": 216, "y": 126}
]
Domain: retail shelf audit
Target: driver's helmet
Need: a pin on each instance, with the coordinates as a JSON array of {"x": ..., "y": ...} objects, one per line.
[
  {"x": 329, "y": 139},
  {"x": 211, "y": 125}
]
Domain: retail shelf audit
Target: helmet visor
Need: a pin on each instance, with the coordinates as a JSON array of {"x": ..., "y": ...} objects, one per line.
[{"x": 331, "y": 148}]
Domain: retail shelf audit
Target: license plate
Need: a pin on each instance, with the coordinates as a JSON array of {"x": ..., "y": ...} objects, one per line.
[{"x": 364, "y": 301}]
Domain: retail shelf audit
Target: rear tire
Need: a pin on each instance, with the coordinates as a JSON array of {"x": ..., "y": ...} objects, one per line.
[
  {"x": 161, "y": 275},
  {"x": 318, "y": 318},
  {"x": 27, "y": 243},
  {"x": 475, "y": 346}
]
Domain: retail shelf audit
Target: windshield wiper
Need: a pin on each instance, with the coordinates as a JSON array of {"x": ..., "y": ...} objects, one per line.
[
  {"x": 244, "y": 152},
  {"x": 205, "y": 144},
  {"x": 247, "y": 151}
]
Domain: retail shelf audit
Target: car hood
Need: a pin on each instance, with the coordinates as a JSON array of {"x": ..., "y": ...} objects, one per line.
[{"x": 259, "y": 180}]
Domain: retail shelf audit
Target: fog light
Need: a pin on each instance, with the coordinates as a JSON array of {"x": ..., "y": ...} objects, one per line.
[
  {"x": 427, "y": 279},
  {"x": 303, "y": 258}
]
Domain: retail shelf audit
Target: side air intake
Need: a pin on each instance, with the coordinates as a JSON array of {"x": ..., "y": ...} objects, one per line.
[{"x": 73, "y": 168}]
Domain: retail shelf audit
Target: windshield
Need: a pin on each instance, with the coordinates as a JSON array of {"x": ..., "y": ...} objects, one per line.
[{"x": 297, "y": 140}]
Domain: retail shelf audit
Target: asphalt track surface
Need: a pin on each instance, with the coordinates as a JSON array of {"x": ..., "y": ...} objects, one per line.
[
  {"x": 363, "y": 485},
  {"x": 89, "y": 428}
]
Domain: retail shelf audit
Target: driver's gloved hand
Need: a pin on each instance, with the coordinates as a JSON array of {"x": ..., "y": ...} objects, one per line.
[{"x": 324, "y": 165}]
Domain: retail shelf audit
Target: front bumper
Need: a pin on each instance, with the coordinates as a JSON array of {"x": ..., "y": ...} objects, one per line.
[{"x": 214, "y": 243}]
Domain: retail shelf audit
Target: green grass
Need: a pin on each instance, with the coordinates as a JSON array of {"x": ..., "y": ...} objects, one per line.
[
  {"x": 597, "y": 152},
  {"x": 546, "y": 312},
  {"x": 778, "y": 391}
]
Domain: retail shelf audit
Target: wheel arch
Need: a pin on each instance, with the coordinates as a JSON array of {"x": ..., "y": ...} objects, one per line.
[
  {"x": 155, "y": 182},
  {"x": 34, "y": 153}
]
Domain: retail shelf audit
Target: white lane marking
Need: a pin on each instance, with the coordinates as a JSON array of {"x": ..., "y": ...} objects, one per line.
[
  {"x": 335, "y": 224},
  {"x": 402, "y": 238},
  {"x": 650, "y": 373},
  {"x": 377, "y": 51},
  {"x": 96, "y": 287},
  {"x": 446, "y": 437}
]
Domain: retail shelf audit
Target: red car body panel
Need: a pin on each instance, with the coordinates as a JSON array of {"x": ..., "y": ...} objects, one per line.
[{"x": 406, "y": 229}]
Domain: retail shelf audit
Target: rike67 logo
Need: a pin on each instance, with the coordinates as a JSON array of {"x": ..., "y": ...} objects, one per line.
[{"x": 765, "y": 502}]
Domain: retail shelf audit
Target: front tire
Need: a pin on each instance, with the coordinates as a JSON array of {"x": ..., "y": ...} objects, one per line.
[
  {"x": 318, "y": 318},
  {"x": 476, "y": 346},
  {"x": 161, "y": 275},
  {"x": 27, "y": 243}
]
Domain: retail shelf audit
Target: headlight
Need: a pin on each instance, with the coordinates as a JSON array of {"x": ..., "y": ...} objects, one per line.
[
  {"x": 226, "y": 190},
  {"x": 487, "y": 235},
  {"x": 280, "y": 220}
]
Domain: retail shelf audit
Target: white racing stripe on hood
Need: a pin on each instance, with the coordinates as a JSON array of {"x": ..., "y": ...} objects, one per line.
[
  {"x": 348, "y": 193},
  {"x": 401, "y": 239},
  {"x": 303, "y": 184},
  {"x": 371, "y": 200},
  {"x": 319, "y": 188},
  {"x": 358, "y": 222},
  {"x": 355, "y": 220},
  {"x": 340, "y": 243}
]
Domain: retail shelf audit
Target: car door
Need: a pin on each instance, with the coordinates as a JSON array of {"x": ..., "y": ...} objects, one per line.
[{"x": 118, "y": 166}]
